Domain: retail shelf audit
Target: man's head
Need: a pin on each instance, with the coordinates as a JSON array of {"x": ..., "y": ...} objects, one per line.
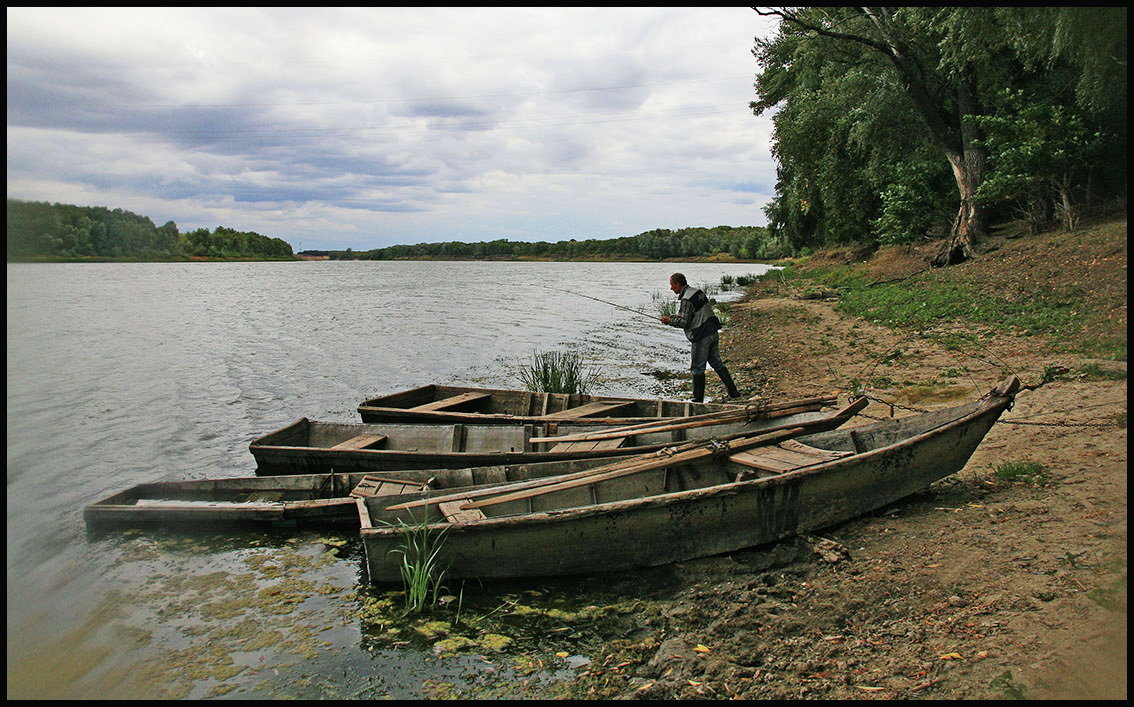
[{"x": 677, "y": 283}]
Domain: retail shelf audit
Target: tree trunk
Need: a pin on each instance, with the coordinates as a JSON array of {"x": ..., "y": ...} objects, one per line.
[{"x": 968, "y": 170}]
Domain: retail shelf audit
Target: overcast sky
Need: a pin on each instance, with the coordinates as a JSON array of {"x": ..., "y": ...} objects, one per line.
[{"x": 362, "y": 128}]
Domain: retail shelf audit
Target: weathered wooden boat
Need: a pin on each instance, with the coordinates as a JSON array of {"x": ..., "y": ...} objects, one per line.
[
  {"x": 325, "y": 499},
  {"x": 313, "y": 447},
  {"x": 457, "y": 404},
  {"x": 639, "y": 512}
]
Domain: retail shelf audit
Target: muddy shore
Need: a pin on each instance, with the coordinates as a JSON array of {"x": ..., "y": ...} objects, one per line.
[{"x": 980, "y": 587}]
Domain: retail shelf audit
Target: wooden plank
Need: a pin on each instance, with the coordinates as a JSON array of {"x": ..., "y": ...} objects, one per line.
[
  {"x": 453, "y": 513},
  {"x": 361, "y": 442},
  {"x": 379, "y": 486},
  {"x": 646, "y": 463},
  {"x": 589, "y": 445},
  {"x": 756, "y": 460},
  {"x": 450, "y": 402},
  {"x": 797, "y": 446},
  {"x": 593, "y": 408},
  {"x": 666, "y": 425},
  {"x": 786, "y": 456}
]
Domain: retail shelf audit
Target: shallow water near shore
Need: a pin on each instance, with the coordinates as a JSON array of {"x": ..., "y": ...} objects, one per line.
[{"x": 120, "y": 374}]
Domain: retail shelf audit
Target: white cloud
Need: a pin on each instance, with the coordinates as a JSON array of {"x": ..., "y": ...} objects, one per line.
[{"x": 368, "y": 127}]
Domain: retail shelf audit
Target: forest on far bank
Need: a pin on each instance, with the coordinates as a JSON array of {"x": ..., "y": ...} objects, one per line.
[
  {"x": 40, "y": 230},
  {"x": 739, "y": 242}
]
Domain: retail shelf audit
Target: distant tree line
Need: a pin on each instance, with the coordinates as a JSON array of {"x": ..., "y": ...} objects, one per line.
[
  {"x": 37, "y": 229},
  {"x": 743, "y": 242},
  {"x": 893, "y": 124}
]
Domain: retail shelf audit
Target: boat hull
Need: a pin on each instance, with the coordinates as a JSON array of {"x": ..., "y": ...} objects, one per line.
[
  {"x": 312, "y": 447},
  {"x": 322, "y": 499},
  {"x": 885, "y": 462},
  {"x": 454, "y": 404}
]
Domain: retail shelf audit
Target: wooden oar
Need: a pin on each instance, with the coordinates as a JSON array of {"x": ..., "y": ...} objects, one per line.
[
  {"x": 687, "y": 423},
  {"x": 831, "y": 421},
  {"x": 662, "y": 425},
  {"x": 684, "y": 458}
]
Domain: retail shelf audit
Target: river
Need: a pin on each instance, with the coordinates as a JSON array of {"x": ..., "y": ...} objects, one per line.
[{"x": 121, "y": 374}]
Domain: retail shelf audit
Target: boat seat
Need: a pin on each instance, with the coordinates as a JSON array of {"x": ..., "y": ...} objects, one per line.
[
  {"x": 450, "y": 402},
  {"x": 361, "y": 442},
  {"x": 786, "y": 456},
  {"x": 597, "y": 407},
  {"x": 377, "y": 486},
  {"x": 589, "y": 445},
  {"x": 453, "y": 513}
]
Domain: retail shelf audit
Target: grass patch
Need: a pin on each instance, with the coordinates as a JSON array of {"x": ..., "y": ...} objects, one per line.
[
  {"x": 1057, "y": 287},
  {"x": 558, "y": 372},
  {"x": 1022, "y": 472},
  {"x": 1093, "y": 371}
]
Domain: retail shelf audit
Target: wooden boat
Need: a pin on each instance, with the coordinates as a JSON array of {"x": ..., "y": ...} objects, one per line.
[
  {"x": 294, "y": 499},
  {"x": 455, "y": 404},
  {"x": 313, "y": 447},
  {"x": 640, "y": 512}
]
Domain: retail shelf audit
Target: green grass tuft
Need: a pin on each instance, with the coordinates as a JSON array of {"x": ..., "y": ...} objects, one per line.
[
  {"x": 558, "y": 372},
  {"x": 1025, "y": 472}
]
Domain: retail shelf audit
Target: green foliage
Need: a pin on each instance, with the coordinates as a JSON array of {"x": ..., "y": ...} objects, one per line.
[
  {"x": 1023, "y": 472},
  {"x": 39, "y": 229},
  {"x": 1043, "y": 153},
  {"x": 873, "y": 142},
  {"x": 558, "y": 372},
  {"x": 746, "y": 242},
  {"x": 422, "y": 574},
  {"x": 664, "y": 304}
]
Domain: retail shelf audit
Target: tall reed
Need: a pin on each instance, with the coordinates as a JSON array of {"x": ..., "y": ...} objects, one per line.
[
  {"x": 558, "y": 372},
  {"x": 665, "y": 304},
  {"x": 421, "y": 570}
]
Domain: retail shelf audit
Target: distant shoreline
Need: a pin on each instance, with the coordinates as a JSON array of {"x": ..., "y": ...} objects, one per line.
[{"x": 326, "y": 258}]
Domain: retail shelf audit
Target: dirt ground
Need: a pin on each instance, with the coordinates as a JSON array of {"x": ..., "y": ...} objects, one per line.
[{"x": 976, "y": 588}]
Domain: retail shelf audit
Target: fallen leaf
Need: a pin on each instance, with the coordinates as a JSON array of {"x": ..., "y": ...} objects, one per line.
[
  {"x": 701, "y": 648},
  {"x": 869, "y": 688},
  {"x": 951, "y": 656},
  {"x": 562, "y": 654}
]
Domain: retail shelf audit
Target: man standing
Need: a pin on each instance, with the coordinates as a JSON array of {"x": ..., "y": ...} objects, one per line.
[{"x": 695, "y": 315}]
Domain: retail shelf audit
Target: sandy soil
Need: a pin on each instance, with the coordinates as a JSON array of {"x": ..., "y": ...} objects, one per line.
[{"x": 976, "y": 588}]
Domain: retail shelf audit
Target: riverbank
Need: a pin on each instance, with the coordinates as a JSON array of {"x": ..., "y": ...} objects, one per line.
[{"x": 984, "y": 586}]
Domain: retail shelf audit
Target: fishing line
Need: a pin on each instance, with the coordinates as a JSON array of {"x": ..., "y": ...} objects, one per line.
[{"x": 596, "y": 299}]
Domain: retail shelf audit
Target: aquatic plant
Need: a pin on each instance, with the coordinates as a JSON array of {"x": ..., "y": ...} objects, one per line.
[
  {"x": 664, "y": 304},
  {"x": 558, "y": 372},
  {"x": 421, "y": 571}
]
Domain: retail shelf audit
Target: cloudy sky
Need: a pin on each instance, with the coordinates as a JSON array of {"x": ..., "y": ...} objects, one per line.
[{"x": 362, "y": 128}]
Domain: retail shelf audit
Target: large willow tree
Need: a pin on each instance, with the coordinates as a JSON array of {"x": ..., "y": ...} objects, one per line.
[{"x": 881, "y": 111}]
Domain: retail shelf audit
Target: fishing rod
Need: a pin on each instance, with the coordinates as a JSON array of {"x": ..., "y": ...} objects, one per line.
[{"x": 596, "y": 299}]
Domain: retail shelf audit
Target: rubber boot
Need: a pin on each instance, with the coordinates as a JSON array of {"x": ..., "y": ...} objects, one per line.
[
  {"x": 698, "y": 387},
  {"x": 726, "y": 378}
]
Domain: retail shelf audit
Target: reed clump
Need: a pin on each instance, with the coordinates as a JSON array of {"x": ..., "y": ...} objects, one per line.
[
  {"x": 558, "y": 372},
  {"x": 422, "y": 574}
]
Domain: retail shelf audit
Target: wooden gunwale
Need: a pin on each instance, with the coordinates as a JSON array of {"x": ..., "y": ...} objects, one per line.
[
  {"x": 971, "y": 414},
  {"x": 541, "y": 407}
]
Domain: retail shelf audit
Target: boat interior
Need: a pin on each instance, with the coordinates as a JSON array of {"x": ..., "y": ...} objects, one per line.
[{"x": 647, "y": 475}]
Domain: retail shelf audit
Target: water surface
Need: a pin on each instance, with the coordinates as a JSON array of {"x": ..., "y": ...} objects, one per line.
[{"x": 121, "y": 374}]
